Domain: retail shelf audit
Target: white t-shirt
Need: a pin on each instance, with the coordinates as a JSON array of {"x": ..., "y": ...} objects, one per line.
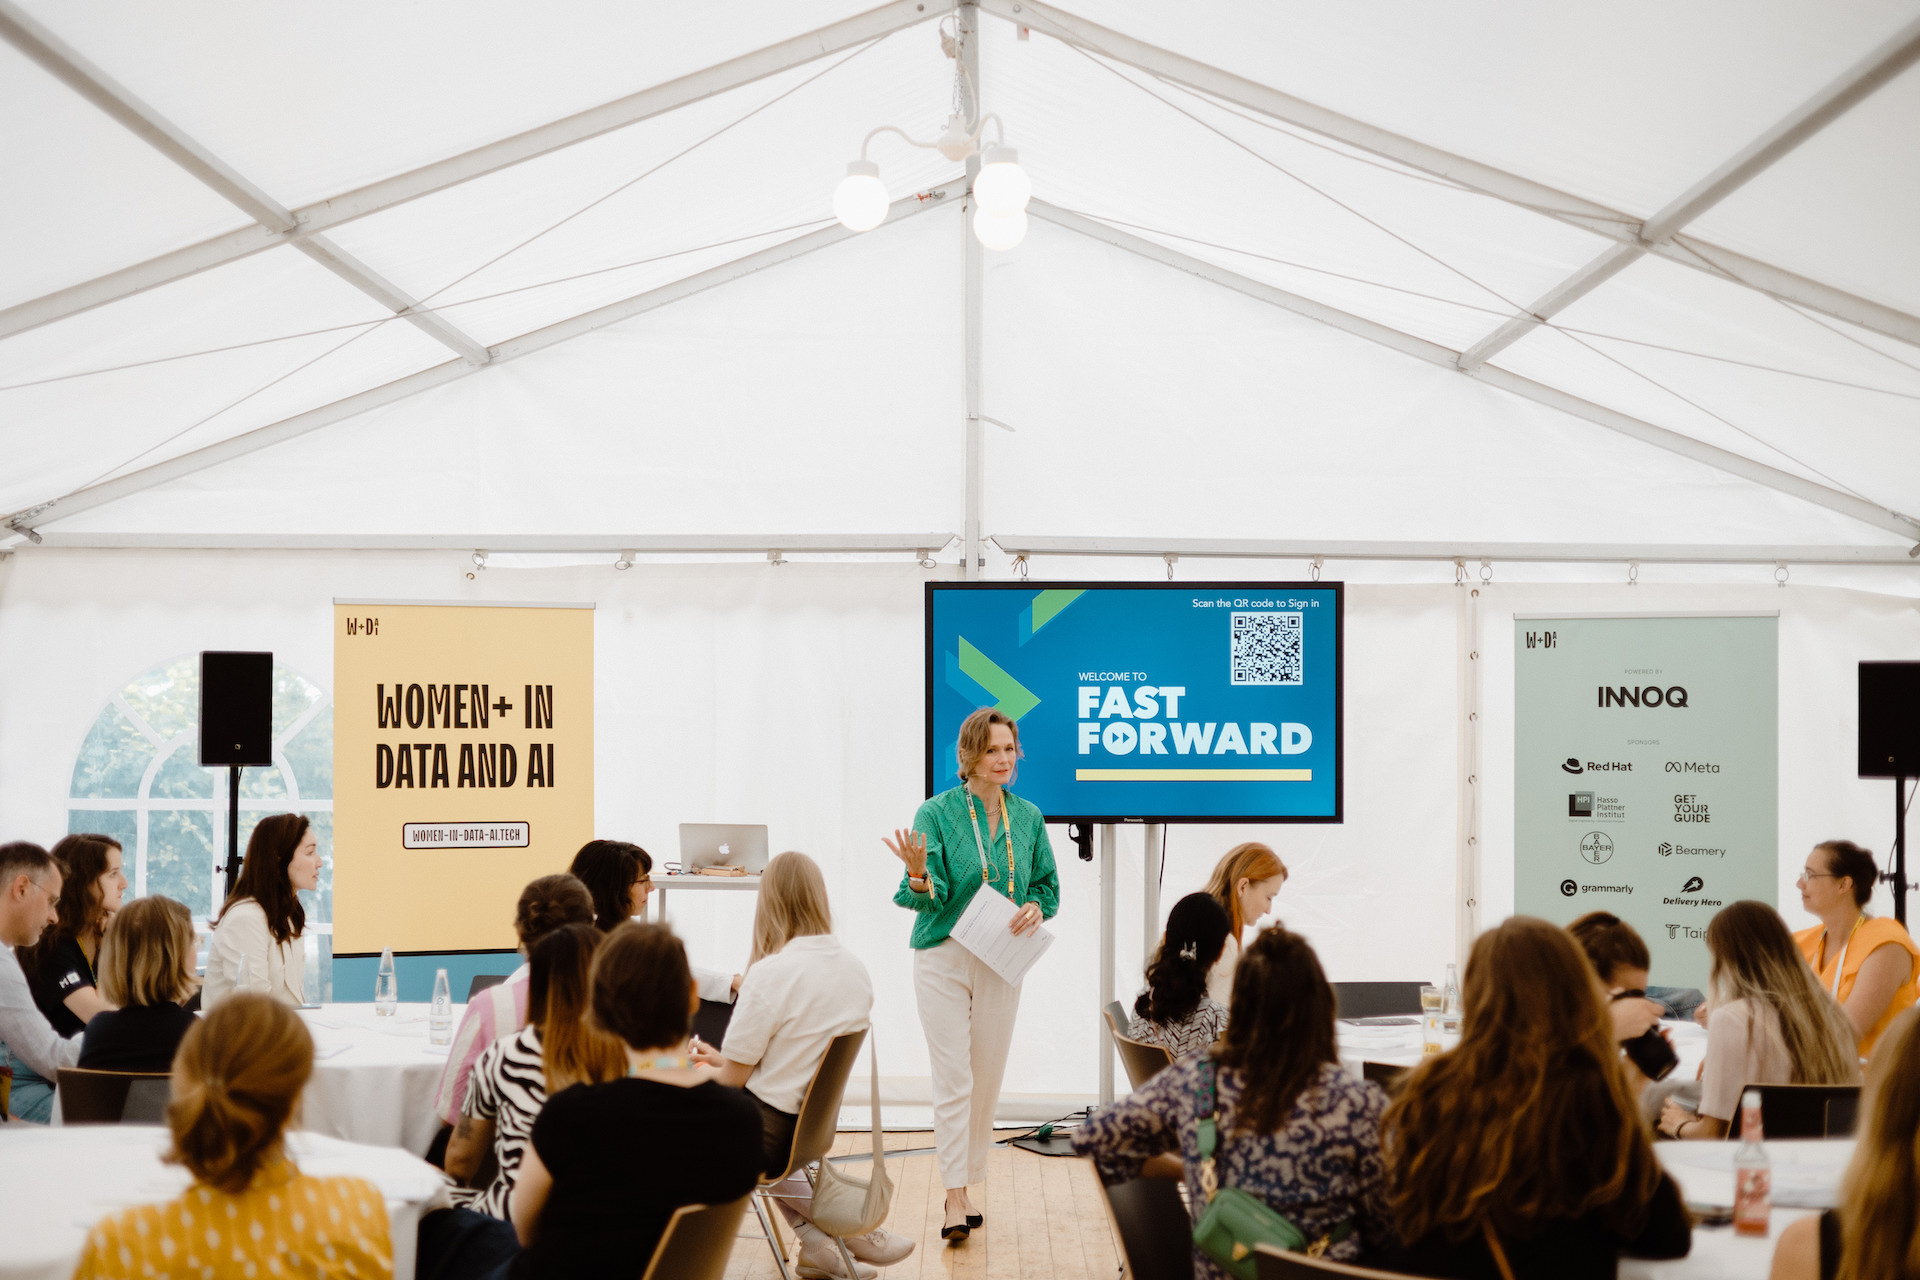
[{"x": 791, "y": 1006}]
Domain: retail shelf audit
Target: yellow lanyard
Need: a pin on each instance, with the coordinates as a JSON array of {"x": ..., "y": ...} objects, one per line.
[{"x": 986, "y": 862}]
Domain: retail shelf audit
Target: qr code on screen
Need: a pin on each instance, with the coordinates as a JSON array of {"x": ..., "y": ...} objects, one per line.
[{"x": 1266, "y": 649}]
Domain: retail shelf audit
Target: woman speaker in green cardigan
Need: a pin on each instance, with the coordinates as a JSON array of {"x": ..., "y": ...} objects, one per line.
[{"x": 977, "y": 837}]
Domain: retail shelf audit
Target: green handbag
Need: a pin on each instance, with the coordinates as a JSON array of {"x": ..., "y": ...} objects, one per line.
[{"x": 1234, "y": 1220}]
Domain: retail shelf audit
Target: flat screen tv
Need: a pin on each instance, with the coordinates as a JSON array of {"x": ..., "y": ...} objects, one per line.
[{"x": 1150, "y": 702}]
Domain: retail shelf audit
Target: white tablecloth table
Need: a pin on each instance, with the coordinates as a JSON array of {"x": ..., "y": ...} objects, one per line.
[
  {"x": 1806, "y": 1179},
  {"x": 374, "y": 1077},
  {"x": 56, "y": 1183},
  {"x": 1400, "y": 1046}
]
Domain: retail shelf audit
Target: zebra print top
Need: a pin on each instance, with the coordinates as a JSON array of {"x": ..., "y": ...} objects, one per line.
[{"x": 508, "y": 1087}]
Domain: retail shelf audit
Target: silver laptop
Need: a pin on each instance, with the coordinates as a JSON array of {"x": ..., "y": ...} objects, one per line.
[{"x": 721, "y": 844}]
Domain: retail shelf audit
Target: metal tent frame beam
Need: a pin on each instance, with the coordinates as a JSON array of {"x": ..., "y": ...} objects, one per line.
[
  {"x": 308, "y": 220},
  {"x": 627, "y": 544},
  {"x": 1433, "y": 353},
  {"x": 1845, "y": 92},
  {"x": 1472, "y": 174},
  {"x": 259, "y": 438},
  {"x": 67, "y": 65},
  {"x": 1464, "y": 552}
]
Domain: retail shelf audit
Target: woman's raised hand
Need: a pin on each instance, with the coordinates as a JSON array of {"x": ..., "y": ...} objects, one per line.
[{"x": 911, "y": 848}]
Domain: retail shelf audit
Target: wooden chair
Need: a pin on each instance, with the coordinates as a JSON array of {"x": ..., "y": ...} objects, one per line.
[
  {"x": 1149, "y": 1220},
  {"x": 1387, "y": 1075},
  {"x": 113, "y": 1097},
  {"x": 1142, "y": 1061},
  {"x": 813, "y": 1135},
  {"x": 1376, "y": 999},
  {"x": 481, "y": 981},
  {"x": 1803, "y": 1110},
  {"x": 1270, "y": 1263},
  {"x": 698, "y": 1242}
]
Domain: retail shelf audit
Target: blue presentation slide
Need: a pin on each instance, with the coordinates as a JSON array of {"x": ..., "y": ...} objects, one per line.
[{"x": 1175, "y": 702}]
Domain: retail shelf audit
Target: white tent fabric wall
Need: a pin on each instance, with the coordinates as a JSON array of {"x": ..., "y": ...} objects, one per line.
[{"x": 791, "y": 695}]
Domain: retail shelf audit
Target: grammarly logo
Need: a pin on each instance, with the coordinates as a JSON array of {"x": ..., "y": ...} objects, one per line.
[{"x": 1569, "y": 888}]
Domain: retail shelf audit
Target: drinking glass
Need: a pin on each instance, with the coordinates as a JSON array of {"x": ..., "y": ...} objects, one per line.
[{"x": 1431, "y": 999}]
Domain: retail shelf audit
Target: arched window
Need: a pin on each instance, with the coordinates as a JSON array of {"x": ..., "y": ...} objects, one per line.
[{"x": 138, "y": 779}]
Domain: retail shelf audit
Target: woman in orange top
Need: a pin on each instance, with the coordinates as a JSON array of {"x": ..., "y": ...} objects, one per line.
[{"x": 1867, "y": 962}]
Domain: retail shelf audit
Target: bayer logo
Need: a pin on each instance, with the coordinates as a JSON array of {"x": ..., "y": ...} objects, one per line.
[{"x": 1596, "y": 847}]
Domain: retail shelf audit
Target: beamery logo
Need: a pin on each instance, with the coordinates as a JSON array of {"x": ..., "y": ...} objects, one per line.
[
  {"x": 1668, "y": 849},
  {"x": 1647, "y": 696}
]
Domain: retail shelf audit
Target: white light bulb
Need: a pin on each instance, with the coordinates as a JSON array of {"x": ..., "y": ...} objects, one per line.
[
  {"x": 860, "y": 201},
  {"x": 1002, "y": 186},
  {"x": 1000, "y": 231}
]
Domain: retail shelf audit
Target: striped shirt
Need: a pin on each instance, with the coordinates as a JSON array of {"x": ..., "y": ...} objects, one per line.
[
  {"x": 1190, "y": 1036},
  {"x": 508, "y": 1086}
]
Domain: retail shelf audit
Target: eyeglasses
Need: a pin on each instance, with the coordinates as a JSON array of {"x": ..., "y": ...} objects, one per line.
[
  {"x": 51, "y": 895},
  {"x": 1817, "y": 875}
]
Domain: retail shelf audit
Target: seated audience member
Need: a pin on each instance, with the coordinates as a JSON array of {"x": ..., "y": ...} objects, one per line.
[
  {"x": 1294, "y": 1128},
  {"x": 515, "y": 1076},
  {"x": 546, "y": 904},
  {"x": 1866, "y": 962},
  {"x": 256, "y": 942},
  {"x": 146, "y": 972},
  {"x": 620, "y": 878},
  {"x": 1524, "y": 1139},
  {"x": 1619, "y": 955},
  {"x": 1770, "y": 1023},
  {"x": 1175, "y": 1011},
  {"x": 802, "y": 988},
  {"x": 1875, "y": 1233},
  {"x": 1245, "y": 883},
  {"x": 609, "y": 1163},
  {"x": 61, "y": 968},
  {"x": 30, "y": 886},
  {"x": 250, "y": 1211}
]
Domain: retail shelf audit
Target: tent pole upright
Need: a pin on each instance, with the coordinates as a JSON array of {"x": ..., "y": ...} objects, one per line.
[{"x": 967, "y": 25}]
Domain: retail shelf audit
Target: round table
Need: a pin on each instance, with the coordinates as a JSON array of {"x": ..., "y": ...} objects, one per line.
[
  {"x": 374, "y": 1077},
  {"x": 56, "y": 1183},
  {"x": 1399, "y": 1046},
  {"x": 1806, "y": 1179}
]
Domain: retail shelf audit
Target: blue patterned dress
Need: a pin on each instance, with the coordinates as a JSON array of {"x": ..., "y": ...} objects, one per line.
[{"x": 1322, "y": 1168}]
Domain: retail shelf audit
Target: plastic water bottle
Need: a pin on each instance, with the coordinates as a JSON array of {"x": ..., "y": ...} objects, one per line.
[
  {"x": 1752, "y": 1172},
  {"x": 386, "y": 986},
  {"x": 310, "y": 969},
  {"x": 242, "y": 974},
  {"x": 1450, "y": 1007},
  {"x": 440, "y": 1020}
]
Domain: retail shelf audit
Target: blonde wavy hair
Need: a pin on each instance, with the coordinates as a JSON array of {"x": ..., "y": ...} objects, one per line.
[
  {"x": 1755, "y": 959},
  {"x": 146, "y": 956},
  {"x": 1880, "y": 1195},
  {"x": 793, "y": 904},
  {"x": 976, "y": 735}
]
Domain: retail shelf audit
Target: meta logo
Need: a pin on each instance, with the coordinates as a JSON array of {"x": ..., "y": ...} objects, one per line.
[
  {"x": 1568, "y": 888},
  {"x": 1648, "y": 696},
  {"x": 1691, "y": 766}
]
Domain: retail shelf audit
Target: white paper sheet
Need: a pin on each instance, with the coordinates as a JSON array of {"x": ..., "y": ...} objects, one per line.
[{"x": 985, "y": 928}]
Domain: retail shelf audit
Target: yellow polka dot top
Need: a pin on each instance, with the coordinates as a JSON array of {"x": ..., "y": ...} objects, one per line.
[{"x": 285, "y": 1225}]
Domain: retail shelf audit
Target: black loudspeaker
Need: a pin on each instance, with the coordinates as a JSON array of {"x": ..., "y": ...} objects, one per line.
[
  {"x": 236, "y": 708},
  {"x": 1890, "y": 719}
]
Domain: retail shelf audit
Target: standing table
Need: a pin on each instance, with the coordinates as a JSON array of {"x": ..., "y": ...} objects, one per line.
[{"x": 662, "y": 883}]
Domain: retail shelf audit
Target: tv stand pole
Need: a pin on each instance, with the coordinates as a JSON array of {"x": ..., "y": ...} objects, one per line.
[{"x": 1107, "y": 1047}]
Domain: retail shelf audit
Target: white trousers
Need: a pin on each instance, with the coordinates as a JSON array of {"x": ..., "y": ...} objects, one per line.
[{"x": 967, "y": 1012}]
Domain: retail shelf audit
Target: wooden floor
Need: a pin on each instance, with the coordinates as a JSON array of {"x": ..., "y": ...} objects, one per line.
[{"x": 1045, "y": 1219}]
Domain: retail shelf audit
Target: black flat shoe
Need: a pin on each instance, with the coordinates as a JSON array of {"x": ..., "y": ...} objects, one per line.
[
  {"x": 976, "y": 1220},
  {"x": 956, "y": 1234}
]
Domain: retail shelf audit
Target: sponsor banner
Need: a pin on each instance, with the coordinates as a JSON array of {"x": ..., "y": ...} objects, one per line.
[
  {"x": 1646, "y": 770},
  {"x": 462, "y": 767}
]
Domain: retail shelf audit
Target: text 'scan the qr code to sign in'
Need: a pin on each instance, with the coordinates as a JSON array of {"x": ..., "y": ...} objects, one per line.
[
  {"x": 466, "y": 835},
  {"x": 1266, "y": 649}
]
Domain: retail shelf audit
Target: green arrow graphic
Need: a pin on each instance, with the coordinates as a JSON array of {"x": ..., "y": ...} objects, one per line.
[{"x": 1014, "y": 698}]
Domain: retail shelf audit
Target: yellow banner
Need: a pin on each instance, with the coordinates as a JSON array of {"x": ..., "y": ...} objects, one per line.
[{"x": 462, "y": 767}]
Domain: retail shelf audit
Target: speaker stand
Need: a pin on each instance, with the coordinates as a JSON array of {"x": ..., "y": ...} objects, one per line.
[
  {"x": 1899, "y": 876},
  {"x": 233, "y": 830}
]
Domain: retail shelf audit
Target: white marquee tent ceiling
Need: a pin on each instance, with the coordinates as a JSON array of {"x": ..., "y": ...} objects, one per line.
[{"x": 1269, "y": 292}]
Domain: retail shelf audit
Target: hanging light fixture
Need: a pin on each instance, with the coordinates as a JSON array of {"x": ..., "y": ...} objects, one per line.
[{"x": 1001, "y": 188}]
